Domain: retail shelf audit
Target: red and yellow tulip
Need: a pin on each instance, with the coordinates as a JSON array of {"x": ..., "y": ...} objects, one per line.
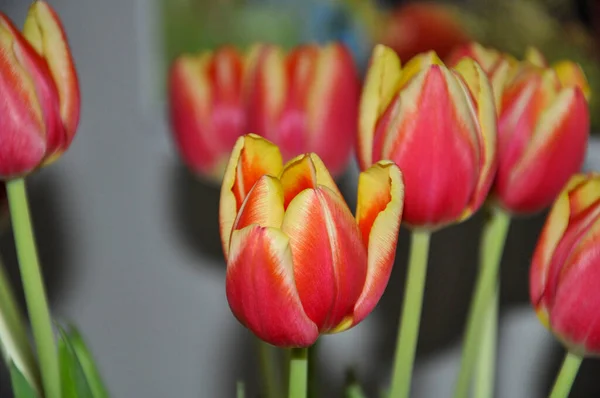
[
  {"x": 438, "y": 125},
  {"x": 298, "y": 263},
  {"x": 565, "y": 270},
  {"x": 543, "y": 128},
  {"x": 304, "y": 101},
  {"x": 40, "y": 90}
]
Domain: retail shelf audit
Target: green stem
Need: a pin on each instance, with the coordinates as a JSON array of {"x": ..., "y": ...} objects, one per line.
[
  {"x": 313, "y": 379},
  {"x": 33, "y": 286},
  {"x": 566, "y": 376},
  {"x": 485, "y": 371},
  {"x": 486, "y": 288},
  {"x": 298, "y": 373},
  {"x": 408, "y": 330},
  {"x": 13, "y": 334},
  {"x": 268, "y": 370}
]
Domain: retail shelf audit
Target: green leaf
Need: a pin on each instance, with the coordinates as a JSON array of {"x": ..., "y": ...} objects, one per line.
[
  {"x": 20, "y": 385},
  {"x": 14, "y": 341},
  {"x": 241, "y": 390},
  {"x": 73, "y": 380},
  {"x": 87, "y": 363}
]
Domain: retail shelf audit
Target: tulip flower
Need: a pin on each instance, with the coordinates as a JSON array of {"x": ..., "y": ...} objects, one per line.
[
  {"x": 302, "y": 101},
  {"x": 438, "y": 125},
  {"x": 40, "y": 110},
  {"x": 565, "y": 270},
  {"x": 298, "y": 263},
  {"x": 543, "y": 128}
]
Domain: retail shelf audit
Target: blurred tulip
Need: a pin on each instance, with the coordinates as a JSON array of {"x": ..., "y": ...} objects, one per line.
[
  {"x": 565, "y": 270},
  {"x": 40, "y": 110},
  {"x": 298, "y": 263},
  {"x": 415, "y": 28},
  {"x": 438, "y": 125},
  {"x": 305, "y": 101},
  {"x": 543, "y": 129}
]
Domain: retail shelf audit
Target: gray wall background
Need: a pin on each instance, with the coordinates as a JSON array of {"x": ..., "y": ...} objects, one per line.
[{"x": 130, "y": 246}]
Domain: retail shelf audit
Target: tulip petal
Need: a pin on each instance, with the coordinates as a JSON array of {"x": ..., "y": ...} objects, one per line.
[
  {"x": 380, "y": 87},
  {"x": 332, "y": 103},
  {"x": 251, "y": 158},
  {"x": 330, "y": 260},
  {"x": 45, "y": 32},
  {"x": 261, "y": 289},
  {"x": 561, "y": 133},
  {"x": 417, "y": 64},
  {"x": 305, "y": 172},
  {"x": 485, "y": 57},
  {"x": 189, "y": 102},
  {"x": 266, "y": 89},
  {"x": 570, "y": 74},
  {"x": 534, "y": 56},
  {"x": 378, "y": 214},
  {"x": 434, "y": 119},
  {"x": 478, "y": 86},
  {"x": 25, "y": 103},
  {"x": 263, "y": 206},
  {"x": 574, "y": 313}
]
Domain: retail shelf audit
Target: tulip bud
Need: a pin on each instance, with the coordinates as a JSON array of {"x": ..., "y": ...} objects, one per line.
[
  {"x": 565, "y": 270},
  {"x": 543, "y": 129},
  {"x": 298, "y": 263},
  {"x": 438, "y": 125},
  {"x": 41, "y": 92},
  {"x": 302, "y": 101}
]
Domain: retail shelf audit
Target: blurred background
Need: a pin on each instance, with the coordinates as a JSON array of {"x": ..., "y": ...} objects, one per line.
[{"x": 129, "y": 238}]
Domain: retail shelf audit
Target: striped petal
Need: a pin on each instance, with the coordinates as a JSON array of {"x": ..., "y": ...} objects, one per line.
[
  {"x": 380, "y": 87},
  {"x": 266, "y": 88},
  {"x": 575, "y": 296},
  {"x": 261, "y": 289},
  {"x": 570, "y": 74},
  {"x": 417, "y": 64},
  {"x": 330, "y": 260},
  {"x": 479, "y": 88},
  {"x": 263, "y": 206},
  {"x": 331, "y": 108},
  {"x": 554, "y": 229},
  {"x": 432, "y": 136},
  {"x": 305, "y": 172},
  {"x": 378, "y": 214},
  {"x": 485, "y": 57},
  {"x": 251, "y": 158},
  {"x": 554, "y": 153},
  {"x": 45, "y": 33}
]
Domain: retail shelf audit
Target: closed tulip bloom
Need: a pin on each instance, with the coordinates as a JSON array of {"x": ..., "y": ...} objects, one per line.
[
  {"x": 438, "y": 125},
  {"x": 40, "y": 107},
  {"x": 565, "y": 270},
  {"x": 304, "y": 101},
  {"x": 543, "y": 129},
  {"x": 298, "y": 263}
]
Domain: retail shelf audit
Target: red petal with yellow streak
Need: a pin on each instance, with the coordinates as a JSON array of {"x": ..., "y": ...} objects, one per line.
[
  {"x": 305, "y": 172},
  {"x": 261, "y": 289},
  {"x": 252, "y": 158},
  {"x": 378, "y": 214},
  {"x": 263, "y": 206},
  {"x": 330, "y": 260},
  {"x": 431, "y": 134},
  {"x": 29, "y": 104},
  {"x": 529, "y": 181},
  {"x": 44, "y": 30}
]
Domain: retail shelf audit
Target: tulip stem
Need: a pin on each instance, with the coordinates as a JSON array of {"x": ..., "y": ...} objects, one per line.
[
  {"x": 33, "y": 286},
  {"x": 566, "y": 376},
  {"x": 485, "y": 298},
  {"x": 268, "y": 370},
  {"x": 485, "y": 371},
  {"x": 408, "y": 331},
  {"x": 298, "y": 373}
]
